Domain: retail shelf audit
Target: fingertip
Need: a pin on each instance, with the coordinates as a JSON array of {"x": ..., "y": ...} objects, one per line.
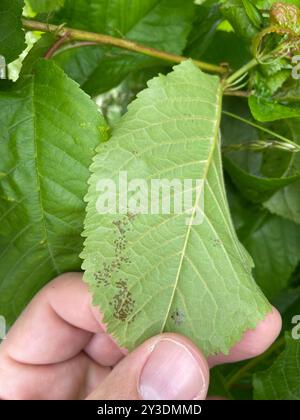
[
  {"x": 103, "y": 350},
  {"x": 190, "y": 345},
  {"x": 165, "y": 367},
  {"x": 175, "y": 369},
  {"x": 254, "y": 342},
  {"x": 69, "y": 297}
]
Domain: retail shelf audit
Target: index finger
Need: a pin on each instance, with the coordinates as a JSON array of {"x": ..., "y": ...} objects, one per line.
[{"x": 59, "y": 322}]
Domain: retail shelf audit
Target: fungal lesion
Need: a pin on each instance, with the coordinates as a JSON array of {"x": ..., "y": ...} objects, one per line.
[
  {"x": 122, "y": 301},
  {"x": 119, "y": 226},
  {"x": 216, "y": 242},
  {"x": 178, "y": 317}
]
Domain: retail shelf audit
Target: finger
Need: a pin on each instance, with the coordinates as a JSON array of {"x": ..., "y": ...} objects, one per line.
[
  {"x": 254, "y": 342},
  {"x": 103, "y": 350},
  {"x": 165, "y": 367},
  {"x": 58, "y": 324},
  {"x": 73, "y": 379}
]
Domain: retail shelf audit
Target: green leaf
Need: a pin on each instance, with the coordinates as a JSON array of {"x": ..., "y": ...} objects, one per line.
[
  {"x": 227, "y": 47},
  {"x": 217, "y": 384},
  {"x": 281, "y": 380},
  {"x": 286, "y": 202},
  {"x": 253, "y": 13},
  {"x": 273, "y": 243},
  {"x": 267, "y": 84},
  {"x": 288, "y": 304},
  {"x": 290, "y": 92},
  {"x": 113, "y": 104},
  {"x": 255, "y": 187},
  {"x": 41, "y": 6},
  {"x": 257, "y": 175},
  {"x": 234, "y": 11},
  {"x": 241, "y": 209},
  {"x": 38, "y": 51},
  {"x": 162, "y": 24},
  {"x": 205, "y": 24},
  {"x": 265, "y": 110},
  {"x": 49, "y": 130},
  {"x": 12, "y": 37},
  {"x": 266, "y": 4},
  {"x": 114, "y": 18},
  {"x": 160, "y": 272}
]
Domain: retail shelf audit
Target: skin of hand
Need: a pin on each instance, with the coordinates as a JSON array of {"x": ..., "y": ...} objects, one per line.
[{"x": 58, "y": 349}]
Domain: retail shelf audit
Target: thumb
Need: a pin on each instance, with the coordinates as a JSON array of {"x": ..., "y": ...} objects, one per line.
[{"x": 165, "y": 367}]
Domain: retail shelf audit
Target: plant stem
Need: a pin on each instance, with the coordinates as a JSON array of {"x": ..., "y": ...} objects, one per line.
[
  {"x": 241, "y": 71},
  {"x": 259, "y": 127},
  {"x": 259, "y": 146},
  {"x": 254, "y": 62},
  {"x": 75, "y": 34},
  {"x": 235, "y": 378},
  {"x": 239, "y": 93},
  {"x": 71, "y": 45},
  {"x": 56, "y": 46}
]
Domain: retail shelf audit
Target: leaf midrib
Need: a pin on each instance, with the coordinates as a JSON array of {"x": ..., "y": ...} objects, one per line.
[{"x": 207, "y": 167}]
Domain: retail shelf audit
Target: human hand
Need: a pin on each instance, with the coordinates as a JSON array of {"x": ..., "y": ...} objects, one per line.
[{"x": 58, "y": 349}]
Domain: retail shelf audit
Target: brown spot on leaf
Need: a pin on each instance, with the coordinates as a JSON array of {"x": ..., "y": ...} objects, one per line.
[
  {"x": 122, "y": 302},
  {"x": 178, "y": 317},
  {"x": 104, "y": 277}
]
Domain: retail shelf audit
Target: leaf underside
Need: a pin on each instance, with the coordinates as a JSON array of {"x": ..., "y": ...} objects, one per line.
[{"x": 157, "y": 273}]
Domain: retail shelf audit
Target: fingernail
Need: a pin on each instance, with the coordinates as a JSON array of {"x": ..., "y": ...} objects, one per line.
[{"x": 172, "y": 372}]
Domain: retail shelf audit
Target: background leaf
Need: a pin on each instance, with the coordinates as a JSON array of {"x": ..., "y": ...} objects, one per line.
[
  {"x": 288, "y": 303},
  {"x": 273, "y": 243},
  {"x": 257, "y": 175},
  {"x": 286, "y": 203},
  {"x": 41, "y": 6},
  {"x": 206, "y": 21},
  {"x": 253, "y": 13},
  {"x": 234, "y": 11},
  {"x": 281, "y": 380},
  {"x": 227, "y": 48},
  {"x": 49, "y": 130},
  {"x": 266, "y": 4},
  {"x": 153, "y": 273},
  {"x": 269, "y": 110},
  {"x": 162, "y": 24},
  {"x": 12, "y": 37}
]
